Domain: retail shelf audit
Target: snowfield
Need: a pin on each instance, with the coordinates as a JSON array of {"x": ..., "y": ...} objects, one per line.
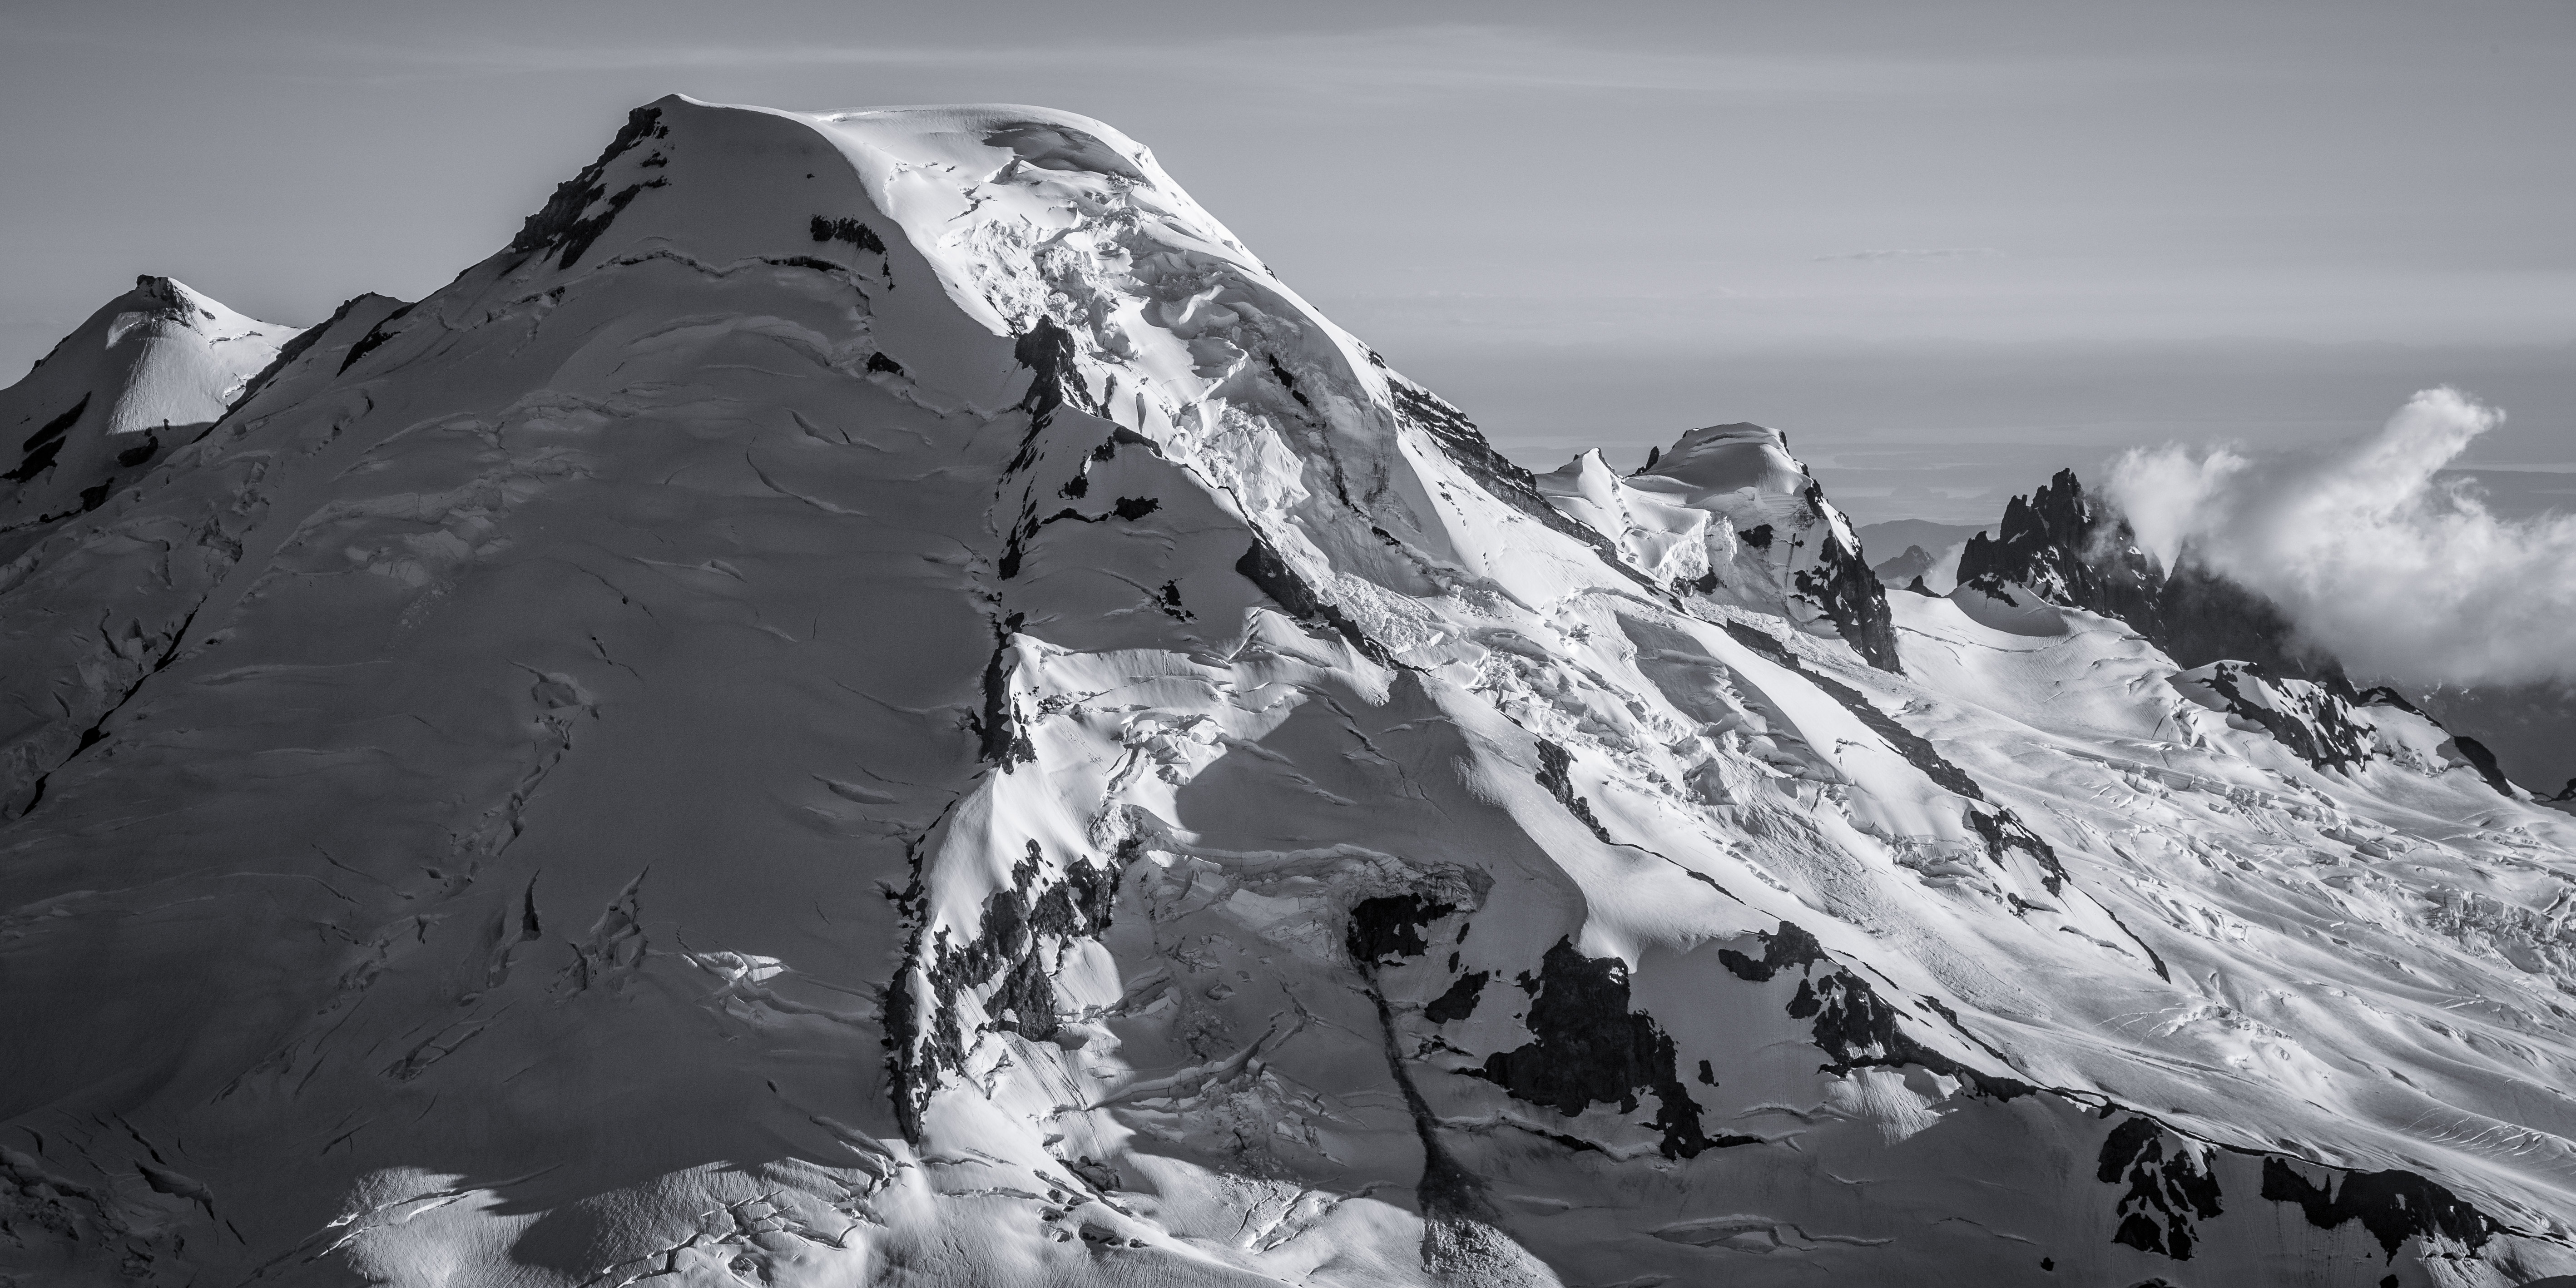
[{"x": 874, "y": 700}]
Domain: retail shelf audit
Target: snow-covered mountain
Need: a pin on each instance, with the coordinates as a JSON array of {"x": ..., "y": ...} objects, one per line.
[
  {"x": 2060, "y": 547},
  {"x": 875, "y": 700},
  {"x": 149, "y": 370}
]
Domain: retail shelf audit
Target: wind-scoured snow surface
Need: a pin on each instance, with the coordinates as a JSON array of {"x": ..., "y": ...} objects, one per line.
[{"x": 875, "y": 701}]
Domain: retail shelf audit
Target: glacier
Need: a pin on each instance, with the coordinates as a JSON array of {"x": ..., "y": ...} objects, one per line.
[{"x": 875, "y": 700}]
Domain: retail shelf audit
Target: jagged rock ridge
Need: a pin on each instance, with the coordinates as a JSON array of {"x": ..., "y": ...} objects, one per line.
[
  {"x": 2066, "y": 548},
  {"x": 2061, "y": 547}
]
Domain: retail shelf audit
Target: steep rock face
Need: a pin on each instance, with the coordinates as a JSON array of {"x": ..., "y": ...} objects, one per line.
[
  {"x": 2063, "y": 547},
  {"x": 147, "y": 373},
  {"x": 1728, "y": 513},
  {"x": 2060, "y": 547},
  {"x": 875, "y": 700},
  {"x": 2315, "y": 723}
]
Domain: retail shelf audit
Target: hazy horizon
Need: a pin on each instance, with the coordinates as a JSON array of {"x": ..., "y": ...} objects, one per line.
[{"x": 1947, "y": 252}]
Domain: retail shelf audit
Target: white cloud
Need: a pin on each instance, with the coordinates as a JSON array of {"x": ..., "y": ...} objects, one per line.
[{"x": 2375, "y": 559}]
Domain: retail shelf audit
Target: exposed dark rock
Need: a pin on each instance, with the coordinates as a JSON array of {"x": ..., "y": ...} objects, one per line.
[
  {"x": 1842, "y": 584},
  {"x": 559, "y": 225},
  {"x": 1588, "y": 1048},
  {"x": 2384, "y": 696},
  {"x": 1553, "y": 761},
  {"x": 2003, "y": 830},
  {"x": 2168, "y": 1189},
  {"x": 1263, "y": 567},
  {"x": 297, "y": 346},
  {"x": 1852, "y": 1023},
  {"x": 46, "y": 443},
  {"x": 1048, "y": 351},
  {"x": 880, "y": 362},
  {"x": 851, "y": 231},
  {"x": 2392, "y": 1205},
  {"x": 2070, "y": 551},
  {"x": 375, "y": 337},
  {"x": 2309, "y": 719},
  {"x": 1288, "y": 382},
  {"x": 1460, "y": 1001},
  {"x": 1758, "y": 537},
  {"x": 1004, "y": 742},
  {"x": 1390, "y": 927},
  {"x": 2484, "y": 761},
  {"x": 2060, "y": 544},
  {"x": 1792, "y": 946},
  {"x": 133, "y": 456},
  {"x": 1135, "y": 507},
  {"x": 1007, "y": 946}
]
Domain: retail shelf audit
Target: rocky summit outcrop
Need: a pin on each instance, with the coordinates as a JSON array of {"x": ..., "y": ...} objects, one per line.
[
  {"x": 2314, "y": 721},
  {"x": 2061, "y": 547},
  {"x": 2066, "y": 547},
  {"x": 874, "y": 700}
]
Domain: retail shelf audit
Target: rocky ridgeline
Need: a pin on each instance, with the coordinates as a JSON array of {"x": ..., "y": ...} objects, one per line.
[
  {"x": 2062, "y": 546},
  {"x": 2067, "y": 548}
]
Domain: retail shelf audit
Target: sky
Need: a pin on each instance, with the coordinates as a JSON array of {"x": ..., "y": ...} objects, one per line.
[{"x": 1948, "y": 248}]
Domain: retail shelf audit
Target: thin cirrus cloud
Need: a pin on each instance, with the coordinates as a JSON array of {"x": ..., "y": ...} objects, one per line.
[{"x": 1933, "y": 253}]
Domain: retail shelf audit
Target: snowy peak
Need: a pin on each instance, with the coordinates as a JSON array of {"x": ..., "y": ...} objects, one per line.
[
  {"x": 983, "y": 248},
  {"x": 149, "y": 370},
  {"x": 1728, "y": 513},
  {"x": 1716, "y": 464}
]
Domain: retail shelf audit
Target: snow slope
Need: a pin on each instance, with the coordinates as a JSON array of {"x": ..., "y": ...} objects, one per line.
[
  {"x": 148, "y": 371},
  {"x": 875, "y": 700}
]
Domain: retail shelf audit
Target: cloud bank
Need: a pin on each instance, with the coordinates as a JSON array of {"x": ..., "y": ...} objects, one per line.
[{"x": 2376, "y": 561}]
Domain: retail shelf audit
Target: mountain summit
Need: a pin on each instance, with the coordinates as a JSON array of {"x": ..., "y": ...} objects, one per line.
[
  {"x": 150, "y": 369},
  {"x": 874, "y": 699}
]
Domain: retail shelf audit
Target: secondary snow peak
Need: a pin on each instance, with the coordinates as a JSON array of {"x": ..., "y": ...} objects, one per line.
[
  {"x": 1730, "y": 514},
  {"x": 146, "y": 373}
]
